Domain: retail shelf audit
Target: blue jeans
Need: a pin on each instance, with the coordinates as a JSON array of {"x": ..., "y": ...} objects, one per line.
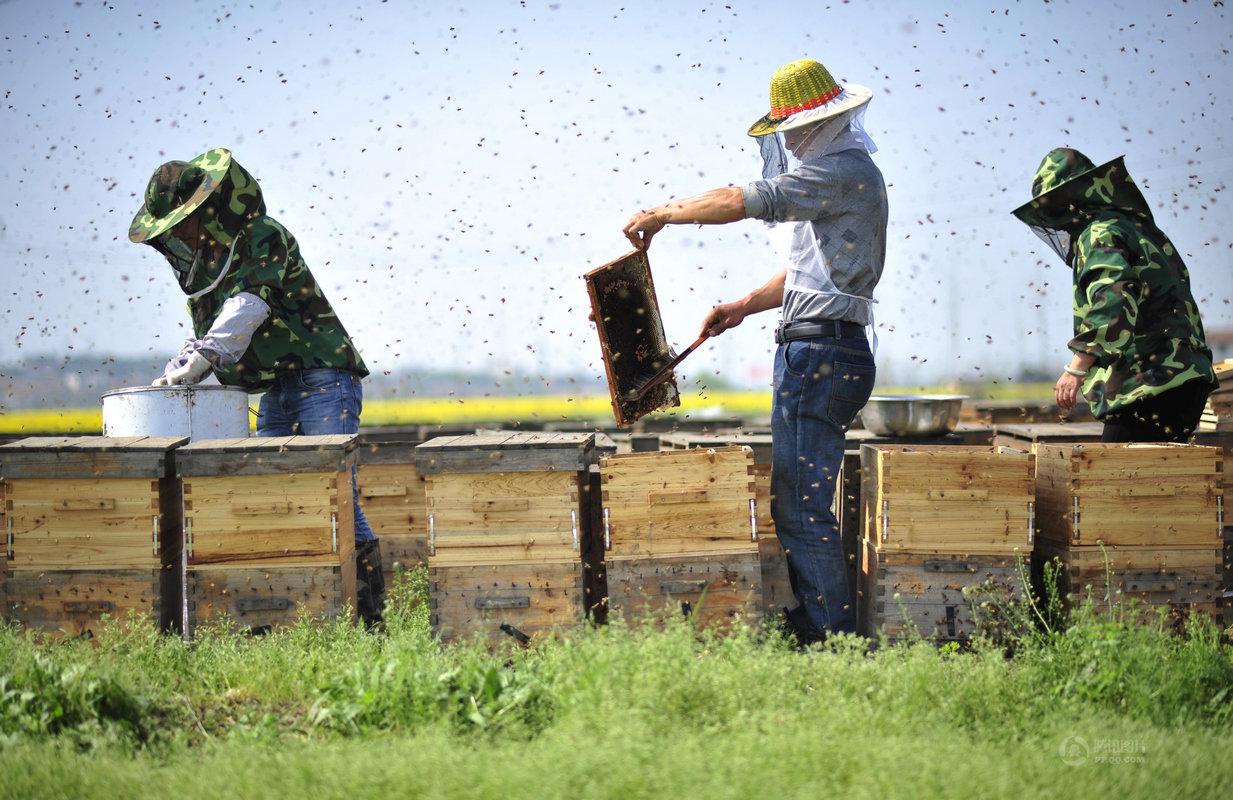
[
  {"x": 820, "y": 385},
  {"x": 316, "y": 402}
]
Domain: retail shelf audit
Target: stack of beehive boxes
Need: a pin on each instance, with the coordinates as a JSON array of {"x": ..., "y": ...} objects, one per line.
[
  {"x": 512, "y": 550},
  {"x": 269, "y": 530},
  {"x": 394, "y": 500},
  {"x": 939, "y": 521},
  {"x": 92, "y": 529},
  {"x": 776, "y": 586},
  {"x": 681, "y": 534},
  {"x": 1139, "y": 521}
]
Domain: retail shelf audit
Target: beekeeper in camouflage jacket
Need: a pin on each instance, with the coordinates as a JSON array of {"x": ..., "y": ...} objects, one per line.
[
  {"x": 1138, "y": 352},
  {"x": 260, "y": 321}
]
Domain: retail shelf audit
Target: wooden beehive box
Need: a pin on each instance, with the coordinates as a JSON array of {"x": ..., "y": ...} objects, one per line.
[
  {"x": 394, "y": 498},
  {"x": 904, "y": 593},
  {"x": 511, "y": 522},
  {"x": 1152, "y": 495},
  {"x": 92, "y": 527},
  {"x": 776, "y": 585},
  {"x": 681, "y": 532},
  {"x": 269, "y": 529},
  {"x": 965, "y": 500},
  {"x": 1179, "y": 580}
]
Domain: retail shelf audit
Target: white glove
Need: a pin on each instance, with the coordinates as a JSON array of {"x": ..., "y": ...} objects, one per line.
[{"x": 184, "y": 369}]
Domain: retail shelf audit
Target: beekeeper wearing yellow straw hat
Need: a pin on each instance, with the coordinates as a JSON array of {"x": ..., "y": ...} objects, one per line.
[{"x": 825, "y": 203}]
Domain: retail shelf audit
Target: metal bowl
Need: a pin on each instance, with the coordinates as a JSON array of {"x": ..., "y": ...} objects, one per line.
[{"x": 912, "y": 414}]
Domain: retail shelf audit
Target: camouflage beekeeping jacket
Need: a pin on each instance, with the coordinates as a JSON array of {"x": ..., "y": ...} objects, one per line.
[
  {"x": 1133, "y": 307},
  {"x": 302, "y": 331}
]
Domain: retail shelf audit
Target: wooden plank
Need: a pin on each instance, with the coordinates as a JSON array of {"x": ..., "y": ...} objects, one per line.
[
  {"x": 61, "y": 458},
  {"x": 271, "y": 597},
  {"x": 387, "y": 453},
  {"x": 716, "y": 592},
  {"x": 1022, "y": 434},
  {"x": 507, "y": 451},
  {"x": 759, "y": 443},
  {"x": 258, "y": 448},
  {"x": 239, "y": 462},
  {"x": 475, "y": 601},
  {"x": 74, "y": 602}
]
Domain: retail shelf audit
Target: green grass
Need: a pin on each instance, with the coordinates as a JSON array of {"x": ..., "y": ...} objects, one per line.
[{"x": 331, "y": 711}]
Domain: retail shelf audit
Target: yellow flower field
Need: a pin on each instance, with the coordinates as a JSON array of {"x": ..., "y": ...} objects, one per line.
[{"x": 534, "y": 408}]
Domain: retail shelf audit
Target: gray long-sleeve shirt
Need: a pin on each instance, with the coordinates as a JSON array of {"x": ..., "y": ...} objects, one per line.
[{"x": 842, "y": 195}]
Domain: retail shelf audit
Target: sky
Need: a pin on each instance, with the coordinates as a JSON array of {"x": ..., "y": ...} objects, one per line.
[{"x": 452, "y": 169}]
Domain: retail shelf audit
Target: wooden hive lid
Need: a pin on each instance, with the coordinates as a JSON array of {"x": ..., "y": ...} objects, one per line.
[
  {"x": 264, "y": 455},
  {"x": 1052, "y": 431},
  {"x": 88, "y": 457},
  {"x": 509, "y": 451}
]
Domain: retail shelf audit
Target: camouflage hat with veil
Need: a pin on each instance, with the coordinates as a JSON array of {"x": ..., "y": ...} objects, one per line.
[{"x": 215, "y": 190}]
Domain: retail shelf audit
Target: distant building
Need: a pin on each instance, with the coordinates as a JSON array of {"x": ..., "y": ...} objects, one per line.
[{"x": 1221, "y": 342}]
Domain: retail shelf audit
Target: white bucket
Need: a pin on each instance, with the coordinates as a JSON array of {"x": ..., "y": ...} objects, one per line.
[{"x": 198, "y": 412}]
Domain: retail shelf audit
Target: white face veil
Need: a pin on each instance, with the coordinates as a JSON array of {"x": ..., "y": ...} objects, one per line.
[{"x": 785, "y": 152}]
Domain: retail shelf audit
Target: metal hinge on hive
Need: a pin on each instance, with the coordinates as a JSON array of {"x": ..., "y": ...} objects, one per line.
[
  {"x": 1219, "y": 515},
  {"x": 188, "y": 536},
  {"x": 333, "y": 532},
  {"x": 432, "y": 534},
  {"x": 1031, "y": 521},
  {"x": 753, "y": 519},
  {"x": 573, "y": 526},
  {"x": 607, "y": 531},
  {"x": 1074, "y": 518},
  {"x": 154, "y": 534},
  {"x": 885, "y": 520}
]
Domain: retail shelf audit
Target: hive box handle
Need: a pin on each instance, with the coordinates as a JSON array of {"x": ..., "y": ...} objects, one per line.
[
  {"x": 488, "y": 603},
  {"x": 949, "y": 566},
  {"x": 89, "y": 606},
  {"x": 1147, "y": 490},
  {"x": 958, "y": 494},
  {"x": 246, "y": 604},
  {"x": 501, "y": 504},
  {"x": 97, "y": 504},
  {"x": 250, "y": 508},
  {"x": 682, "y": 587},
  {"x": 385, "y": 490},
  {"x": 678, "y": 496}
]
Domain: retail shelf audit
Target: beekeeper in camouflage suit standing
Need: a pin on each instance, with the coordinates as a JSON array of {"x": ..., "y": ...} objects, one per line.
[
  {"x": 1138, "y": 353},
  {"x": 260, "y": 321}
]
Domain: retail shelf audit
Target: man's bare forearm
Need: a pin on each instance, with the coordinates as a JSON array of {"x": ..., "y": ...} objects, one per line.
[{"x": 716, "y": 207}]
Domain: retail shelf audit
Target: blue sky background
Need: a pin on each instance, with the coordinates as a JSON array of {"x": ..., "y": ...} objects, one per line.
[{"x": 452, "y": 170}]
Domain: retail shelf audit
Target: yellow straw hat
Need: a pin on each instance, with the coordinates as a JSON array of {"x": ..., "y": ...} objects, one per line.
[{"x": 802, "y": 93}]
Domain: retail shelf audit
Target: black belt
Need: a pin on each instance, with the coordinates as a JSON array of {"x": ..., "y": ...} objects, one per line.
[{"x": 826, "y": 329}]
